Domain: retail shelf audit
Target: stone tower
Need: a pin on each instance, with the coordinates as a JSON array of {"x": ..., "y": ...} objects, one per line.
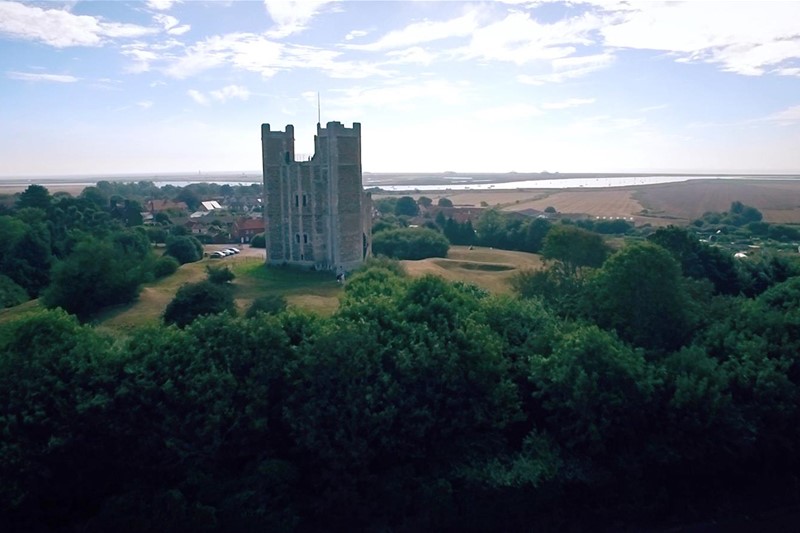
[{"x": 316, "y": 212}]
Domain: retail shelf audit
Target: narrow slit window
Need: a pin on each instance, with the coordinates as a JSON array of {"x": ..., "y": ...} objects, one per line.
[
  {"x": 297, "y": 237},
  {"x": 296, "y": 200},
  {"x": 305, "y": 200},
  {"x": 305, "y": 238}
]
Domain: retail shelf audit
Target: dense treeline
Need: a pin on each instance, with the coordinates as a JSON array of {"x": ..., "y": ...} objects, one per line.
[
  {"x": 419, "y": 405},
  {"x": 86, "y": 253}
]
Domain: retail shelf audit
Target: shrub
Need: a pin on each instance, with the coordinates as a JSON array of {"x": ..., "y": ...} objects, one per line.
[
  {"x": 272, "y": 304},
  {"x": 410, "y": 243},
  {"x": 185, "y": 249},
  {"x": 258, "y": 241},
  {"x": 198, "y": 299},
  {"x": 166, "y": 265}
]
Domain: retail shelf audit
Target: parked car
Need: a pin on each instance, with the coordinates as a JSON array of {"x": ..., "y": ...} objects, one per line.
[
  {"x": 234, "y": 250},
  {"x": 217, "y": 255}
]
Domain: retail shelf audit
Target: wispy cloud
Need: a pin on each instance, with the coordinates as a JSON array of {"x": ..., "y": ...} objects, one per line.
[
  {"x": 568, "y": 68},
  {"x": 520, "y": 39},
  {"x": 38, "y": 76},
  {"x": 60, "y": 28},
  {"x": 251, "y": 52},
  {"x": 162, "y": 5},
  {"x": 145, "y": 104},
  {"x": 197, "y": 96},
  {"x": 224, "y": 94},
  {"x": 747, "y": 38},
  {"x": 171, "y": 25},
  {"x": 788, "y": 116},
  {"x": 568, "y": 103},
  {"x": 292, "y": 16},
  {"x": 231, "y": 91},
  {"x": 423, "y": 32},
  {"x": 355, "y": 34}
]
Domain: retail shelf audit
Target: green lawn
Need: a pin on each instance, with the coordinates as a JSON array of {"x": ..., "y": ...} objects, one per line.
[{"x": 317, "y": 292}]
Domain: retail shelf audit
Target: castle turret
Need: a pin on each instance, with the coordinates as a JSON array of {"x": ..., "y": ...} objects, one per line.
[{"x": 316, "y": 212}]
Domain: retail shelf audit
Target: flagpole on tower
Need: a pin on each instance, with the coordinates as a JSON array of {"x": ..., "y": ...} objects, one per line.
[{"x": 319, "y": 112}]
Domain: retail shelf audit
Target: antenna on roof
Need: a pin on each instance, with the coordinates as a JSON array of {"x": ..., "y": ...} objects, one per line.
[{"x": 319, "y": 112}]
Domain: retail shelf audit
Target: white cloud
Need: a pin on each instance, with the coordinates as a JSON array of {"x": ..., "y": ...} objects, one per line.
[
  {"x": 743, "y": 37},
  {"x": 197, "y": 96},
  {"x": 790, "y": 115},
  {"x": 567, "y": 68},
  {"x": 145, "y": 104},
  {"x": 30, "y": 76},
  {"x": 519, "y": 39},
  {"x": 60, "y": 28},
  {"x": 231, "y": 91},
  {"x": 354, "y": 34},
  {"x": 161, "y": 5},
  {"x": 171, "y": 24},
  {"x": 788, "y": 71},
  {"x": 257, "y": 53},
  {"x": 568, "y": 103},
  {"x": 423, "y": 32},
  {"x": 414, "y": 55},
  {"x": 292, "y": 16}
]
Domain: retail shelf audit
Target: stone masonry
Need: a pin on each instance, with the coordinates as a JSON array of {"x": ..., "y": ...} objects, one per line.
[{"x": 316, "y": 212}]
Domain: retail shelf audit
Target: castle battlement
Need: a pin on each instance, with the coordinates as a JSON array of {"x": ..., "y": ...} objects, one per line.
[{"x": 316, "y": 212}]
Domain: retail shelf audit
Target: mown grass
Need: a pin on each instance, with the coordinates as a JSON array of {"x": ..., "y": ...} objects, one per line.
[
  {"x": 313, "y": 291},
  {"x": 317, "y": 292}
]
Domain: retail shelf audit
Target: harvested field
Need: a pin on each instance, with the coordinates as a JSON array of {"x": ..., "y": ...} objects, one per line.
[
  {"x": 778, "y": 200},
  {"x": 670, "y": 203},
  {"x": 617, "y": 202}
]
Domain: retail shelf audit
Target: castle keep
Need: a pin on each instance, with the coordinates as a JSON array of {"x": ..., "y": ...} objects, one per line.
[{"x": 316, "y": 212}]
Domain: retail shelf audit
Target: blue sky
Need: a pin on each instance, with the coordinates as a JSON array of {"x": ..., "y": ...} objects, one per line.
[{"x": 595, "y": 86}]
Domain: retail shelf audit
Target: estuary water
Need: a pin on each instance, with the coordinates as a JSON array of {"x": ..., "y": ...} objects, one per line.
[{"x": 466, "y": 183}]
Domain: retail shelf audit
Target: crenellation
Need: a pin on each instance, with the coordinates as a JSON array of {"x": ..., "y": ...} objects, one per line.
[{"x": 316, "y": 211}]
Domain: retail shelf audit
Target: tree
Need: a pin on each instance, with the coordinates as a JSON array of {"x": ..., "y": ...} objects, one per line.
[
  {"x": 639, "y": 293},
  {"x": 444, "y": 202},
  {"x": 34, "y": 196},
  {"x": 57, "y": 383},
  {"x": 410, "y": 243},
  {"x": 550, "y": 210},
  {"x": 424, "y": 201},
  {"x": 95, "y": 275},
  {"x": 197, "y": 299},
  {"x": 574, "y": 247},
  {"x": 406, "y": 206},
  {"x": 699, "y": 260},
  {"x": 185, "y": 249},
  {"x": 11, "y": 294}
]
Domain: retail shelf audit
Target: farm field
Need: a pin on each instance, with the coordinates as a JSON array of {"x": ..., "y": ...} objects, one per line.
[{"x": 658, "y": 205}]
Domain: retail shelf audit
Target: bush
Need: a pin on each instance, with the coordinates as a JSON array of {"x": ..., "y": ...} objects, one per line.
[
  {"x": 220, "y": 275},
  {"x": 410, "y": 243},
  {"x": 166, "y": 265},
  {"x": 11, "y": 294},
  {"x": 258, "y": 241},
  {"x": 271, "y": 304},
  {"x": 197, "y": 299},
  {"x": 185, "y": 249}
]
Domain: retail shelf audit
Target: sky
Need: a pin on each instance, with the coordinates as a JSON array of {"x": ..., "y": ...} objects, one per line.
[{"x": 90, "y": 88}]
